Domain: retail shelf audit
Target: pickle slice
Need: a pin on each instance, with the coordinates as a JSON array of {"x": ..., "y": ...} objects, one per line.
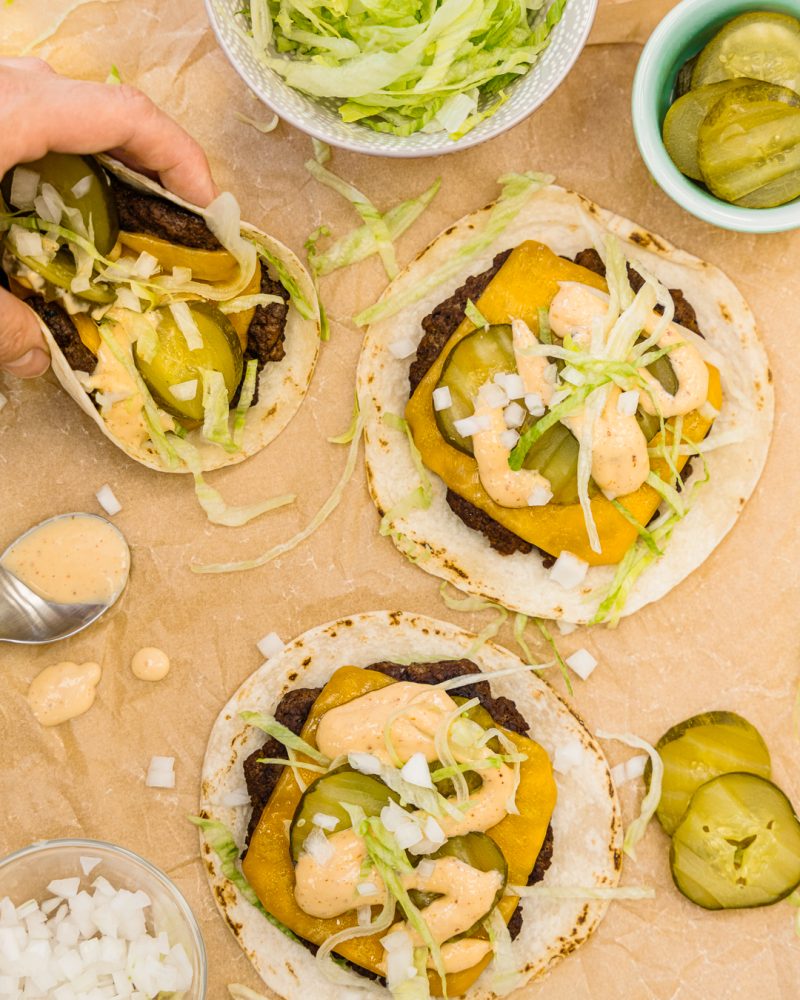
[
  {"x": 683, "y": 83},
  {"x": 477, "y": 850},
  {"x": 475, "y": 360},
  {"x": 682, "y": 124},
  {"x": 738, "y": 844},
  {"x": 750, "y": 139},
  {"x": 173, "y": 363},
  {"x": 702, "y": 748},
  {"x": 95, "y": 201},
  {"x": 762, "y": 45},
  {"x": 326, "y": 795}
]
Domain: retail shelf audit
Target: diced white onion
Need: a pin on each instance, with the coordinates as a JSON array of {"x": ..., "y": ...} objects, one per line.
[
  {"x": 472, "y": 425},
  {"x": 270, "y": 645},
  {"x": 24, "y": 185},
  {"x": 442, "y": 398},
  {"x": 426, "y": 868},
  {"x": 317, "y": 846},
  {"x": 392, "y": 815},
  {"x": 81, "y": 187},
  {"x": 629, "y": 770},
  {"x": 399, "y": 957},
  {"x": 109, "y": 503},
  {"x": 28, "y": 242},
  {"x": 404, "y": 347},
  {"x": 512, "y": 383},
  {"x": 568, "y": 756},
  {"x": 324, "y": 821},
  {"x": 628, "y": 403},
  {"x": 509, "y": 438},
  {"x": 182, "y": 315},
  {"x": 568, "y": 570},
  {"x": 558, "y": 397},
  {"x": 514, "y": 415},
  {"x": 184, "y": 391},
  {"x": 182, "y": 275},
  {"x": 80, "y": 283},
  {"x": 364, "y": 915},
  {"x": 582, "y": 662},
  {"x": 565, "y": 628},
  {"x": 49, "y": 205},
  {"x": 161, "y": 773},
  {"x": 416, "y": 771},
  {"x": 433, "y": 831},
  {"x": 534, "y": 403},
  {"x": 366, "y": 763},
  {"x": 64, "y": 887},
  {"x": 366, "y": 888},
  {"x": 540, "y": 496},
  {"x": 492, "y": 395},
  {"x": 88, "y": 865}
]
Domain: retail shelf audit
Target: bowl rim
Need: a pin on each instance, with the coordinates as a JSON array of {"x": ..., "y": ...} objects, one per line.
[
  {"x": 357, "y": 145},
  {"x": 93, "y": 845},
  {"x": 647, "y": 130}
]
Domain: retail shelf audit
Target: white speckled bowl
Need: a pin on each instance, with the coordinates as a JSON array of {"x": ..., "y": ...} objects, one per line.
[{"x": 319, "y": 118}]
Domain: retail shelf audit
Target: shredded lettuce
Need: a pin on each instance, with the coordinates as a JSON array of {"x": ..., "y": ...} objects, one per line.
[
  {"x": 581, "y": 891},
  {"x": 270, "y": 725},
  {"x": 246, "y": 394},
  {"x": 392, "y": 66},
  {"x": 517, "y": 189},
  {"x": 216, "y": 410},
  {"x": 645, "y": 535},
  {"x": 638, "y": 827},
  {"x": 308, "y": 310},
  {"x": 426, "y": 799},
  {"x": 360, "y": 243},
  {"x": 347, "y": 436},
  {"x": 441, "y": 741},
  {"x": 474, "y": 315},
  {"x": 239, "y": 992},
  {"x": 368, "y": 212},
  {"x": 421, "y": 497},
  {"x": 547, "y": 635},
  {"x": 490, "y": 675},
  {"x": 507, "y": 975},
  {"x": 319, "y": 518},
  {"x": 263, "y": 127},
  {"x": 468, "y": 604},
  {"x": 220, "y": 840},
  {"x": 216, "y": 509}
]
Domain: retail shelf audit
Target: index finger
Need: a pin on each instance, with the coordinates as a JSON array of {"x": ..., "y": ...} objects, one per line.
[{"x": 76, "y": 116}]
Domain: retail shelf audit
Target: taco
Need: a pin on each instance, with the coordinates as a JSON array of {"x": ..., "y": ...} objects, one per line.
[
  {"x": 586, "y": 410},
  {"x": 189, "y": 338},
  {"x": 403, "y": 803}
]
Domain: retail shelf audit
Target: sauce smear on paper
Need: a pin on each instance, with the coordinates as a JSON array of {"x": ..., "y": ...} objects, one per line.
[
  {"x": 150, "y": 664},
  {"x": 63, "y": 691},
  {"x": 80, "y": 559}
]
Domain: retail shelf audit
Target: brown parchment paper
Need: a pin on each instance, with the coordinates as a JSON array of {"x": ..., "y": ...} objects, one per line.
[{"x": 726, "y": 638}]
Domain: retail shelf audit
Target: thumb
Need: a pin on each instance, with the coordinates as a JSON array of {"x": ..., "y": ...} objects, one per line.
[{"x": 22, "y": 348}]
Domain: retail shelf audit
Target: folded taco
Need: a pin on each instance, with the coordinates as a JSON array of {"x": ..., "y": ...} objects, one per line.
[
  {"x": 188, "y": 337},
  {"x": 403, "y": 817},
  {"x": 572, "y": 420}
]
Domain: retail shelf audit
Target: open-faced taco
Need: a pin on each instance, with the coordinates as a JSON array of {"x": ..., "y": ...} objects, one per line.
[
  {"x": 403, "y": 816},
  {"x": 188, "y": 337},
  {"x": 594, "y": 404}
]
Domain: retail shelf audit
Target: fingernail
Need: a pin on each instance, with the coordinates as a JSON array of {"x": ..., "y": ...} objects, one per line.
[{"x": 34, "y": 362}]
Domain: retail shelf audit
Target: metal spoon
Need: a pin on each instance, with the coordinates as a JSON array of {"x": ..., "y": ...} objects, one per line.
[{"x": 27, "y": 618}]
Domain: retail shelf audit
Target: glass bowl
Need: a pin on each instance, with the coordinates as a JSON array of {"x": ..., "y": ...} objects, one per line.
[
  {"x": 25, "y": 875},
  {"x": 681, "y": 35}
]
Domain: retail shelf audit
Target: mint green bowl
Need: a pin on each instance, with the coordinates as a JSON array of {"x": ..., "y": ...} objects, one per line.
[{"x": 681, "y": 35}]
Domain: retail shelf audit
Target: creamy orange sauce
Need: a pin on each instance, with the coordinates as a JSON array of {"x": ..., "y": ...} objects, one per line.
[
  {"x": 150, "y": 664},
  {"x": 78, "y": 559},
  {"x": 504, "y": 486},
  {"x": 63, "y": 691},
  {"x": 413, "y": 713}
]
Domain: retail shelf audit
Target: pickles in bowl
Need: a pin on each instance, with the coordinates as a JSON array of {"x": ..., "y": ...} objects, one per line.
[{"x": 735, "y": 125}]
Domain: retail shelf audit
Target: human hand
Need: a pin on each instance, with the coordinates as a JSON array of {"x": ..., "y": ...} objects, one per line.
[{"x": 41, "y": 112}]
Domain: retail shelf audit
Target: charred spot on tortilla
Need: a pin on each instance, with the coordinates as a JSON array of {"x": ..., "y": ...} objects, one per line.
[{"x": 146, "y": 213}]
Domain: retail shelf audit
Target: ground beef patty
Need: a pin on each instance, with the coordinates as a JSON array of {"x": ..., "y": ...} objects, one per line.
[
  {"x": 64, "y": 332},
  {"x": 147, "y": 213},
  {"x": 439, "y": 327},
  {"x": 295, "y": 706}
]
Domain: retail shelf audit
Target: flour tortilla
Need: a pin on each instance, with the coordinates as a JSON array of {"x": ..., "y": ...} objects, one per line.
[
  {"x": 282, "y": 384},
  {"x": 586, "y": 821},
  {"x": 440, "y": 542}
]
